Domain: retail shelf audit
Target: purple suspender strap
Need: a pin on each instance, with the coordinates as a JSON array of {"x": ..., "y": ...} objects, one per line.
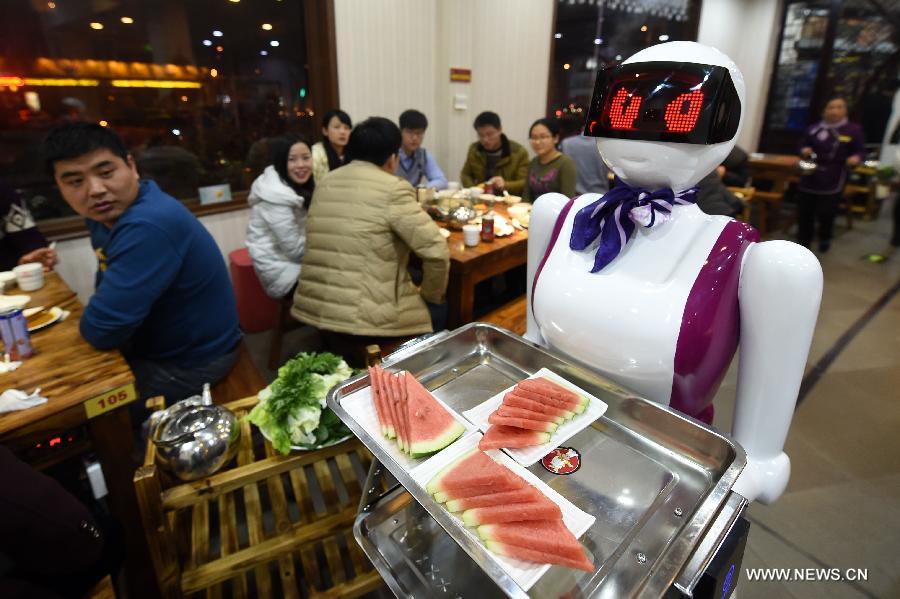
[{"x": 553, "y": 238}]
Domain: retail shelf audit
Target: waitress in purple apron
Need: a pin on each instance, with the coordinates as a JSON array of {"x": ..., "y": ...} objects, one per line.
[{"x": 838, "y": 145}]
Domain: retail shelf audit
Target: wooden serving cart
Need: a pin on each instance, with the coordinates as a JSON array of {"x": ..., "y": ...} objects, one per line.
[{"x": 266, "y": 525}]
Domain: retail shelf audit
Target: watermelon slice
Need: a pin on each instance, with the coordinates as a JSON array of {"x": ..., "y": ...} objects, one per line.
[
  {"x": 430, "y": 426},
  {"x": 498, "y": 436},
  {"x": 399, "y": 379},
  {"x": 397, "y": 406},
  {"x": 558, "y": 403},
  {"x": 544, "y": 509},
  {"x": 497, "y": 486},
  {"x": 521, "y": 413},
  {"x": 532, "y": 425},
  {"x": 532, "y": 555},
  {"x": 552, "y": 389},
  {"x": 381, "y": 407},
  {"x": 523, "y": 495},
  {"x": 515, "y": 400},
  {"x": 472, "y": 469},
  {"x": 546, "y": 536}
]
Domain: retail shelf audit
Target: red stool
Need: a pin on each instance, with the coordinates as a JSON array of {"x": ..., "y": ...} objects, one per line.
[{"x": 256, "y": 310}]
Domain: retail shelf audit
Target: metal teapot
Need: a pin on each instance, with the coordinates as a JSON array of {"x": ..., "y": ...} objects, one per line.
[{"x": 195, "y": 438}]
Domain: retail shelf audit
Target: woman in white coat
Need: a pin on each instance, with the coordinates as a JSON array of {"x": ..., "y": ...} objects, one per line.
[{"x": 279, "y": 200}]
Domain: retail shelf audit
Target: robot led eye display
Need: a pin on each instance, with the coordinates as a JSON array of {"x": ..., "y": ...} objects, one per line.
[{"x": 665, "y": 101}]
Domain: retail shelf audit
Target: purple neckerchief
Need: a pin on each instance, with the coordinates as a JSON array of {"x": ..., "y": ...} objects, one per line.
[{"x": 612, "y": 218}]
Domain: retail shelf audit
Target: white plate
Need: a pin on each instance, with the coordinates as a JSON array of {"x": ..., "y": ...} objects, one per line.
[
  {"x": 55, "y": 313},
  {"x": 298, "y": 448},
  {"x": 8, "y": 302},
  {"x": 360, "y": 406},
  {"x": 529, "y": 455},
  {"x": 523, "y": 572}
]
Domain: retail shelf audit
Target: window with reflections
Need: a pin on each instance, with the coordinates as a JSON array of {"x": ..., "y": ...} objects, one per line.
[
  {"x": 829, "y": 48},
  {"x": 593, "y": 34},
  {"x": 195, "y": 88}
]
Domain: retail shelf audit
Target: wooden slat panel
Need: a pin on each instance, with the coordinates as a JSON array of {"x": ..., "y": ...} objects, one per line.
[
  {"x": 329, "y": 494},
  {"x": 235, "y": 478},
  {"x": 307, "y": 515},
  {"x": 229, "y": 539},
  {"x": 355, "y": 588},
  {"x": 253, "y": 508},
  {"x": 199, "y": 535},
  {"x": 282, "y": 524}
]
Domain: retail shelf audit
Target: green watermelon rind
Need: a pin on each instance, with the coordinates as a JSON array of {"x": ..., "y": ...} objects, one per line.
[
  {"x": 433, "y": 485},
  {"x": 439, "y": 441}
]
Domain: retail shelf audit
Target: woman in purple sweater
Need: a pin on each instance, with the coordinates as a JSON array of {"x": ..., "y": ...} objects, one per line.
[{"x": 838, "y": 145}]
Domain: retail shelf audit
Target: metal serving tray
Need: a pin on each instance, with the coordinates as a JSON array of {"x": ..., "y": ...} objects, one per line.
[{"x": 656, "y": 480}]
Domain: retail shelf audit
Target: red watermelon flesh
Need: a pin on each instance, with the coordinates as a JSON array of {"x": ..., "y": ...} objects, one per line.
[
  {"x": 522, "y": 413},
  {"x": 472, "y": 469},
  {"x": 527, "y": 423},
  {"x": 533, "y": 555},
  {"x": 397, "y": 405},
  {"x": 517, "y": 401},
  {"x": 543, "y": 509},
  {"x": 431, "y": 426},
  {"x": 510, "y": 437},
  {"x": 501, "y": 485},
  {"x": 523, "y": 495},
  {"x": 546, "y": 536},
  {"x": 558, "y": 403},
  {"x": 552, "y": 389},
  {"x": 399, "y": 379},
  {"x": 380, "y": 404}
]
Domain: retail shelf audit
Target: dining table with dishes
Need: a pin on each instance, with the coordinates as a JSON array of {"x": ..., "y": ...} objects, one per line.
[
  {"x": 478, "y": 252},
  {"x": 86, "y": 394}
]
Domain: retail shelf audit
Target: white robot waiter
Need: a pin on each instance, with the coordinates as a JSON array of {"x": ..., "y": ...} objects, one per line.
[{"x": 642, "y": 286}]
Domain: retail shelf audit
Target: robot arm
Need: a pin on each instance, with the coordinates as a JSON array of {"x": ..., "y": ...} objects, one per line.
[
  {"x": 543, "y": 218},
  {"x": 780, "y": 292}
]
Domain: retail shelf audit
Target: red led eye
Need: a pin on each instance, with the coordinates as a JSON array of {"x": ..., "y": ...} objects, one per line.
[
  {"x": 682, "y": 112},
  {"x": 621, "y": 116}
]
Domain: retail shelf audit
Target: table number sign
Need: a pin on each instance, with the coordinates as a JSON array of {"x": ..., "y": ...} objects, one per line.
[{"x": 112, "y": 399}]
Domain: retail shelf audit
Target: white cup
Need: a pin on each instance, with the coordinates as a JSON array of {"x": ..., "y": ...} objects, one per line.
[
  {"x": 453, "y": 185},
  {"x": 29, "y": 276},
  {"x": 471, "y": 235}
]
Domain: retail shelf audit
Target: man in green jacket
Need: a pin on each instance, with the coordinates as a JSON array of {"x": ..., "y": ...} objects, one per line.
[{"x": 494, "y": 159}]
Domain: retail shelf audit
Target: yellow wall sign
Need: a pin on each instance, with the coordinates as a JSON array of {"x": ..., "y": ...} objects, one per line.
[{"x": 110, "y": 400}]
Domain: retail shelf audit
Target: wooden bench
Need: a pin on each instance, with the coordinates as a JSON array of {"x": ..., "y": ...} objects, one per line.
[{"x": 511, "y": 315}]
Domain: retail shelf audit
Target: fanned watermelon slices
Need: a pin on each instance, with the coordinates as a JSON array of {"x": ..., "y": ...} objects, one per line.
[{"x": 410, "y": 414}]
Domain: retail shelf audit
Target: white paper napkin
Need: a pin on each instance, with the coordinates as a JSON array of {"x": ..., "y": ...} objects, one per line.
[{"x": 14, "y": 399}]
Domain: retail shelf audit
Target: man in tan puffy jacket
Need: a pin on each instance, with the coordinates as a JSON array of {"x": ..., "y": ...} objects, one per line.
[{"x": 362, "y": 225}]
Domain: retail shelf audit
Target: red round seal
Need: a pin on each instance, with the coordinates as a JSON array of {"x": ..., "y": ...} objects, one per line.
[{"x": 562, "y": 460}]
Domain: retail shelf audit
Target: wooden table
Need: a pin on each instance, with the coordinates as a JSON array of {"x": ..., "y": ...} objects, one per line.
[
  {"x": 70, "y": 373},
  {"x": 471, "y": 265},
  {"x": 781, "y": 170}
]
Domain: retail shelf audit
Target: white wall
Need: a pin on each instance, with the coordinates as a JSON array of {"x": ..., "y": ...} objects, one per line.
[
  {"x": 77, "y": 263},
  {"x": 747, "y": 31},
  {"x": 397, "y": 54}
]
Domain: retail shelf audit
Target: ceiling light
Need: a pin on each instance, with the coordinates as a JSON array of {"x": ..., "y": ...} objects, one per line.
[
  {"x": 217, "y": 33},
  {"x": 557, "y": 36},
  {"x": 274, "y": 43},
  {"x": 207, "y": 42},
  {"x": 213, "y": 73},
  {"x": 267, "y": 26},
  {"x": 176, "y": 131},
  {"x": 567, "y": 66},
  {"x": 96, "y": 25},
  {"x": 127, "y": 20},
  {"x": 219, "y": 48},
  {"x": 598, "y": 41},
  {"x": 643, "y": 28},
  {"x": 103, "y": 123},
  {"x": 51, "y": 5},
  {"x": 263, "y": 52},
  {"x": 664, "y": 38}
]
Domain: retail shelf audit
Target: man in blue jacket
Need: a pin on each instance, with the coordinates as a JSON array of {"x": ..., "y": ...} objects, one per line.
[{"x": 163, "y": 296}]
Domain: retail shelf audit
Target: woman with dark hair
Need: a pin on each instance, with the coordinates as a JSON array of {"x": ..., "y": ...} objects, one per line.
[
  {"x": 328, "y": 154},
  {"x": 838, "y": 147},
  {"x": 550, "y": 170},
  {"x": 279, "y": 200}
]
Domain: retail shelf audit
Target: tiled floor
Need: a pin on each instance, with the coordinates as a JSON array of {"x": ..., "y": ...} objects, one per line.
[{"x": 842, "y": 506}]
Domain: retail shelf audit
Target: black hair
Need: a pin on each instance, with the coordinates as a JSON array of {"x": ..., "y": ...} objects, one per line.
[
  {"x": 552, "y": 126},
  {"x": 334, "y": 161},
  {"x": 279, "y": 150},
  {"x": 487, "y": 118},
  {"x": 374, "y": 140},
  {"x": 71, "y": 140},
  {"x": 413, "y": 119},
  {"x": 570, "y": 125}
]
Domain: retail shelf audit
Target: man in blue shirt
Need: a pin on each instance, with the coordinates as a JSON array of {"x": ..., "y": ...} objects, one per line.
[
  {"x": 162, "y": 292},
  {"x": 417, "y": 165}
]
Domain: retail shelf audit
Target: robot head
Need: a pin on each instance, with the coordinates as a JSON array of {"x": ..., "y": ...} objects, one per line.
[{"x": 667, "y": 116}]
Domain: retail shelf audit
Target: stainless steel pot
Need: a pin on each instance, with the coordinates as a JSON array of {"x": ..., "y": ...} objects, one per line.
[{"x": 194, "y": 438}]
